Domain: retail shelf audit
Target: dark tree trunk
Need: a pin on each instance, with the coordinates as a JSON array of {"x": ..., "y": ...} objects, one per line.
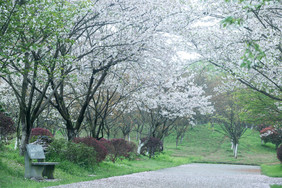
[{"x": 26, "y": 130}]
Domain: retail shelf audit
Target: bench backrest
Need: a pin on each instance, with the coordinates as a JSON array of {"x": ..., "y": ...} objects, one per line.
[{"x": 35, "y": 151}]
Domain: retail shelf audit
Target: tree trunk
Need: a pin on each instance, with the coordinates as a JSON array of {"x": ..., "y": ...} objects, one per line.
[
  {"x": 17, "y": 144},
  {"x": 71, "y": 134},
  {"x": 140, "y": 145},
  {"x": 182, "y": 137},
  {"x": 25, "y": 138},
  {"x": 235, "y": 151},
  {"x": 177, "y": 139}
]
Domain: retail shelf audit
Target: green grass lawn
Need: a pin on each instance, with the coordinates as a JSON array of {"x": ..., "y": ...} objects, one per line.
[
  {"x": 201, "y": 144},
  {"x": 211, "y": 146},
  {"x": 276, "y": 186},
  {"x": 12, "y": 169},
  {"x": 272, "y": 170}
]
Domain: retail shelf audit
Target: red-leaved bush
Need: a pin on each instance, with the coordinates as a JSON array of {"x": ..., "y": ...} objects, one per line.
[
  {"x": 108, "y": 145},
  {"x": 36, "y": 132},
  {"x": 40, "y": 132},
  {"x": 151, "y": 145},
  {"x": 122, "y": 148},
  {"x": 6, "y": 125},
  {"x": 97, "y": 145},
  {"x": 279, "y": 153},
  {"x": 271, "y": 134}
]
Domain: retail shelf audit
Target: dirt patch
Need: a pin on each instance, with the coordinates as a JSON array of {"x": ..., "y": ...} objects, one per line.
[{"x": 248, "y": 170}]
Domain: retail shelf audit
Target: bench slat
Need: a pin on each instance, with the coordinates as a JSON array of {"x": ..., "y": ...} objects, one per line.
[{"x": 44, "y": 163}]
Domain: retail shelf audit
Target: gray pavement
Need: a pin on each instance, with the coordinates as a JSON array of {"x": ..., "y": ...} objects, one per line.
[{"x": 185, "y": 176}]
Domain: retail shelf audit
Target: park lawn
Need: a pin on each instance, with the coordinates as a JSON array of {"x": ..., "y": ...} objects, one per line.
[
  {"x": 276, "y": 186},
  {"x": 201, "y": 144},
  {"x": 12, "y": 169},
  {"x": 210, "y": 146},
  {"x": 274, "y": 170}
]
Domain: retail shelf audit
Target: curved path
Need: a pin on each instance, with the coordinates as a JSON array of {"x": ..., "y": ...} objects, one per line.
[{"x": 191, "y": 175}]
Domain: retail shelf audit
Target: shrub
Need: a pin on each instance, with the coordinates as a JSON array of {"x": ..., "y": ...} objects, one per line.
[
  {"x": 78, "y": 153},
  {"x": 35, "y": 132},
  {"x": 279, "y": 153},
  {"x": 133, "y": 151},
  {"x": 97, "y": 145},
  {"x": 122, "y": 149},
  {"x": 133, "y": 147},
  {"x": 271, "y": 134},
  {"x": 6, "y": 125},
  {"x": 110, "y": 148},
  {"x": 151, "y": 145},
  {"x": 108, "y": 145}
]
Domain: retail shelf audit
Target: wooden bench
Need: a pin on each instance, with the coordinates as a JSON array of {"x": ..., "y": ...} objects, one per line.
[{"x": 40, "y": 168}]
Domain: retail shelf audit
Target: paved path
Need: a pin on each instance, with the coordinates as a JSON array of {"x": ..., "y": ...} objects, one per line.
[{"x": 186, "y": 176}]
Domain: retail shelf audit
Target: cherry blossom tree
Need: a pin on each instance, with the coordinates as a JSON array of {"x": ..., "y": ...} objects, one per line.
[
  {"x": 244, "y": 39},
  {"x": 104, "y": 109},
  {"x": 167, "y": 91},
  {"x": 29, "y": 50},
  {"x": 114, "y": 33}
]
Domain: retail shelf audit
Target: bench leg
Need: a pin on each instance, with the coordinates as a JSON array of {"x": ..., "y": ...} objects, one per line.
[
  {"x": 49, "y": 171},
  {"x": 32, "y": 171},
  {"x": 36, "y": 172}
]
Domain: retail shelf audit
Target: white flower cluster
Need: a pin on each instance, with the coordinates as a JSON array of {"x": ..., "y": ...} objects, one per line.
[{"x": 266, "y": 134}]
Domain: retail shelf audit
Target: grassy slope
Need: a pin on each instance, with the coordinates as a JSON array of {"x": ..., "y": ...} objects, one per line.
[
  {"x": 201, "y": 144},
  {"x": 212, "y": 147}
]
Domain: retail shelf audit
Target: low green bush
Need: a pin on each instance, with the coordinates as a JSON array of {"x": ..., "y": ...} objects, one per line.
[
  {"x": 73, "y": 169},
  {"x": 78, "y": 153}
]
